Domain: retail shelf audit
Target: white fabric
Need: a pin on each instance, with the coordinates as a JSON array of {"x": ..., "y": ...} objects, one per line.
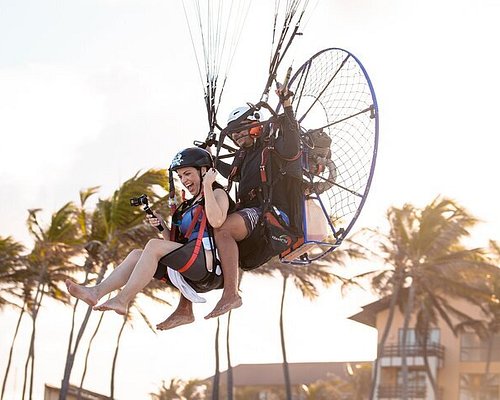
[{"x": 180, "y": 283}]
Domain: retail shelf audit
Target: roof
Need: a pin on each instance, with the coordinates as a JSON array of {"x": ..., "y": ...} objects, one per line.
[
  {"x": 52, "y": 392},
  {"x": 300, "y": 373},
  {"x": 369, "y": 314}
]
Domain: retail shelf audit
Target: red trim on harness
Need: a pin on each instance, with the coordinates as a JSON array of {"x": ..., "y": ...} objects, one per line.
[
  {"x": 196, "y": 215},
  {"x": 199, "y": 239},
  {"x": 296, "y": 245}
]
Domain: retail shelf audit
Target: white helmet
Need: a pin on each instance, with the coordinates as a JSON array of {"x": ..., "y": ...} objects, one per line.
[{"x": 239, "y": 111}]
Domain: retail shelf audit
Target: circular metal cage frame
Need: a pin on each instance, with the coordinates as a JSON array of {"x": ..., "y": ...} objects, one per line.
[{"x": 334, "y": 96}]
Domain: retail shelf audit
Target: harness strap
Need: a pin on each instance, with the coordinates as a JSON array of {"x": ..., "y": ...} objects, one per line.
[
  {"x": 174, "y": 230},
  {"x": 196, "y": 215},
  {"x": 263, "y": 163},
  {"x": 199, "y": 240},
  {"x": 235, "y": 167}
]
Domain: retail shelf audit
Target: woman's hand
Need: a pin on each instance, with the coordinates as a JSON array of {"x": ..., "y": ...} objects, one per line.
[
  {"x": 209, "y": 179},
  {"x": 155, "y": 220}
]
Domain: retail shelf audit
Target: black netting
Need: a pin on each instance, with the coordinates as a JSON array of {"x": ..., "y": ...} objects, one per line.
[{"x": 332, "y": 92}]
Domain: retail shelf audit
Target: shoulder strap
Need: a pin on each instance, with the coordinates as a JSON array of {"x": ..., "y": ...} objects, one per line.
[
  {"x": 199, "y": 239},
  {"x": 196, "y": 215},
  {"x": 235, "y": 167}
]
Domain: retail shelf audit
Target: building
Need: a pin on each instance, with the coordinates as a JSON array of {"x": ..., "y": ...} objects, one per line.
[
  {"x": 52, "y": 393},
  {"x": 266, "y": 380},
  {"x": 458, "y": 363}
]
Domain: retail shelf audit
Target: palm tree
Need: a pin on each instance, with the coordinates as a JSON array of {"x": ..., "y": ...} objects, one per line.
[
  {"x": 10, "y": 261},
  {"x": 10, "y": 264},
  {"x": 195, "y": 389},
  {"x": 91, "y": 249},
  {"x": 491, "y": 328},
  {"x": 150, "y": 292},
  {"x": 332, "y": 389},
  {"x": 47, "y": 266},
  {"x": 112, "y": 230},
  {"x": 87, "y": 354},
  {"x": 305, "y": 279},
  {"x": 230, "y": 381},
  {"x": 425, "y": 263},
  {"x": 360, "y": 379},
  {"x": 171, "y": 392},
  {"x": 216, "y": 381}
]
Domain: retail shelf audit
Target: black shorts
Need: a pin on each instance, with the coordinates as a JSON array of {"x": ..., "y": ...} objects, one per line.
[{"x": 197, "y": 275}]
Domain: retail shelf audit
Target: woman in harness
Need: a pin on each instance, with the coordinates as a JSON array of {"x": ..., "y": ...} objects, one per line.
[
  {"x": 237, "y": 239},
  {"x": 188, "y": 262}
]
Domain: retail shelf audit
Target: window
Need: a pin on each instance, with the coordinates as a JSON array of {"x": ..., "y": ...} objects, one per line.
[
  {"x": 416, "y": 382},
  {"x": 479, "y": 387},
  {"x": 472, "y": 348},
  {"x": 416, "y": 378},
  {"x": 411, "y": 338}
]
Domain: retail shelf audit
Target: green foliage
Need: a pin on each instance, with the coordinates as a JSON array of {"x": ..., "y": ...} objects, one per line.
[
  {"x": 424, "y": 249},
  {"x": 172, "y": 391},
  {"x": 10, "y": 264}
]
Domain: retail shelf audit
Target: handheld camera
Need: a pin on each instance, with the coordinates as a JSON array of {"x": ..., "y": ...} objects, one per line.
[{"x": 142, "y": 200}]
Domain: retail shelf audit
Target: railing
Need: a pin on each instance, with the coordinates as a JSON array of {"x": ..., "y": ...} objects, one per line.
[
  {"x": 395, "y": 350},
  {"x": 396, "y": 392}
]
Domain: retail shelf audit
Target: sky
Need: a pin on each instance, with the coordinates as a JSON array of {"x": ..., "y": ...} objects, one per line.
[{"x": 93, "y": 91}]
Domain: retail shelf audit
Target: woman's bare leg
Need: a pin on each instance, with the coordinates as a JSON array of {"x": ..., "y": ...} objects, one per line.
[
  {"x": 141, "y": 275},
  {"x": 182, "y": 315},
  {"x": 117, "y": 279}
]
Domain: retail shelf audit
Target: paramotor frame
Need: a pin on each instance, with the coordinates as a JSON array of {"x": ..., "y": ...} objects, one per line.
[{"x": 334, "y": 98}]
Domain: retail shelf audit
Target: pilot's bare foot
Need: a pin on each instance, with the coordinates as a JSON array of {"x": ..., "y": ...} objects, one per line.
[
  {"x": 174, "y": 320},
  {"x": 86, "y": 294},
  {"x": 113, "y": 304},
  {"x": 224, "y": 305}
]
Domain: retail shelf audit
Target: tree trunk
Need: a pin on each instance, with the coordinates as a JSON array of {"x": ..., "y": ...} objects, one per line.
[
  {"x": 87, "y": 267},
  {"x": 230, "y": 381},
  {"x": 484, "y": 383},
  {"x": 117, "y": 348},
  {"x": 286, "y": 372},
  {"x": 424, "y": 344},
  {"x": 87, "y": 355},
  {"x": 31, "y": 351},
  {"x": 230, "y": 389},
  {"x": 70, "y": 359},
  {"x": 380, "y": 350},
  {"x": 404, "y": 364},
  {"x": 26, "y": 366},
  {"x": 215, "y": 385},
  {"x": 7, "y": 369}
]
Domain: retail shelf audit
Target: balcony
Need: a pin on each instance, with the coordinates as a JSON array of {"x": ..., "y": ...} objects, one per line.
[
  {"x": 392, "y": 355},
  {"x": 396, "y": 392}
]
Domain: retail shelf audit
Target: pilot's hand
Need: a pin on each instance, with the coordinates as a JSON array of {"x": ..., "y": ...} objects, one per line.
[{"x": 284, "y": 95}]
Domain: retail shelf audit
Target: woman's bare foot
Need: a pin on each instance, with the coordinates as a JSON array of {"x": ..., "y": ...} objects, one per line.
[
  {"x": 86, "y": 294},
  {"x": 113, "y": 304},
  {"x": 174, "y": 320},
  {"x": 224, "y": 305}
]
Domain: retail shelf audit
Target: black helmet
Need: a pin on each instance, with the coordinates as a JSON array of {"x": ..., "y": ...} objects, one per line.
[{"x": 192, "y": 157}]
